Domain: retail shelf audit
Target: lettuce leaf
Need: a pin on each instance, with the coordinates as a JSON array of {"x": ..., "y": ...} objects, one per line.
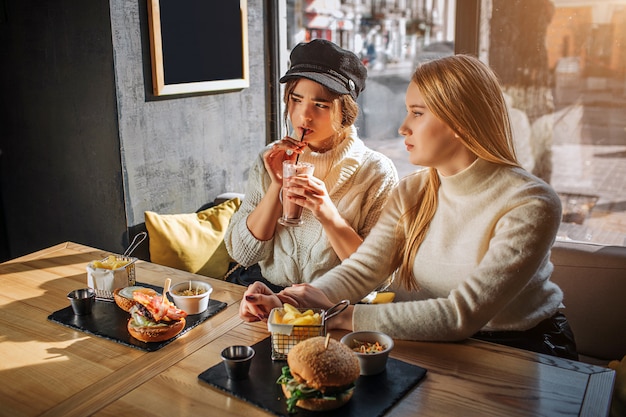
[{"x": 298, "y": 391}]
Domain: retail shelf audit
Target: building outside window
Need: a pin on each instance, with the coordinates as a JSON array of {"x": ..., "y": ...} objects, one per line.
[{"x": 562, "y": 64}]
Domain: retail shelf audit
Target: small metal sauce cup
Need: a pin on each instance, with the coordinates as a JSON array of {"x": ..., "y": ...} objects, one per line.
[
  {"x": 82, "y": 300},
  {"x": 237, "y": 360}
]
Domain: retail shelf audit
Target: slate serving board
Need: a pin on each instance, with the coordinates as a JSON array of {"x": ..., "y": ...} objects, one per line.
[
  {"x": 109, "y": 321},
  {"x": 374, "y": 395}
]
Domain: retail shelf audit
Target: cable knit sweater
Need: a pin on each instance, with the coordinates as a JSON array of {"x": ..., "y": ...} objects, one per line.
[
  {"x": 484, "y": 264},
  {"x": 358, "y": 180}
]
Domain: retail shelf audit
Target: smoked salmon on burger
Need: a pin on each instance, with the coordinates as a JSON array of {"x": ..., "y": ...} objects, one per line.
[
  {"x": 154, "y": 318},
  {"x": 321, "y": 375},
  {"x": 124, "y": 296}
]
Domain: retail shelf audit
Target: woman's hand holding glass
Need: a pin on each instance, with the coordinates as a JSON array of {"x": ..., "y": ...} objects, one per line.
[
  {"x": 286, "y": 149},
  {"x": 310, "y": 192}
]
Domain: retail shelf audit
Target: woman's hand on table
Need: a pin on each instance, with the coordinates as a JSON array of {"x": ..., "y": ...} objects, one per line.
[
  {"x": 257, "y": 302},
  {"x": 306, "y": 295}
]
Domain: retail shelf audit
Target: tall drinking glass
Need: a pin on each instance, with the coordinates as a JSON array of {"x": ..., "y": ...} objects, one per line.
[{"x": 292, "y": 213}]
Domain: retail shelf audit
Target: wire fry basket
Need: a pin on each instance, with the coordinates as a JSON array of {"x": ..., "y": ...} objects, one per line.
[
  {"x": 286, "y": 336},
  {"x": 129, "y": 267},
  {"x": 104, "y": 280}
]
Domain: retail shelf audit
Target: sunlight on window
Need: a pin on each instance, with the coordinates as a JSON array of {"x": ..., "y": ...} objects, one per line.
[{"x": 562, "y": 64}]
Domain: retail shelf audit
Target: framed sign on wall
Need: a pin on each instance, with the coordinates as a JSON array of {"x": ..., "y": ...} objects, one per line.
[{"x": 198, "y": 45}]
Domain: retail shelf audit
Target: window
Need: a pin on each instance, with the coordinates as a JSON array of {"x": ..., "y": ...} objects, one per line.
[{"x": 562, "y": 64}]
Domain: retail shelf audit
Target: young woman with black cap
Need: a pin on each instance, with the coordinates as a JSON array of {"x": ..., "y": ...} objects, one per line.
[
  {"x": 469, "y": 236},
  {"x": 342, "y": 200}
]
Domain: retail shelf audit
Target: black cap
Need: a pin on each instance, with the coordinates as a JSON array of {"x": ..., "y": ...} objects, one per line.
[{"x": 324, "y": 62}]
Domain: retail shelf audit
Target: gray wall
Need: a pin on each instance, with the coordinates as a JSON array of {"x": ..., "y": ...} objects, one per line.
[{"x": 86, "y": 147}]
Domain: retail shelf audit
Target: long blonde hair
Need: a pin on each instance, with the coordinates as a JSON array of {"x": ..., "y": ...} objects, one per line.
[{"x": 464, "y": 93}]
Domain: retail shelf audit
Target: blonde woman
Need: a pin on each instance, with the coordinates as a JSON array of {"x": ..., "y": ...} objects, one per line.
[
  {"x": 469, "y": 236},
  {"x": 342, "y": 200}
]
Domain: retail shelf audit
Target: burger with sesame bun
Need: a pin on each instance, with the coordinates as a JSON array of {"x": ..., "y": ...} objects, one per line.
[{"x": 321, "y": 375}]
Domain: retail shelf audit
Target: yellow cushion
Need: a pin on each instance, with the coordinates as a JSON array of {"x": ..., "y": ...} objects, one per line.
[{"x": 193, "y": 242}]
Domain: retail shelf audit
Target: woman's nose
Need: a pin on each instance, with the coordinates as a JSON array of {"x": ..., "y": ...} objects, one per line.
[
  {"x": 306, "y": 113},
  {"x": 403, "y": 130},
  {"x": 306, "y": 116}
]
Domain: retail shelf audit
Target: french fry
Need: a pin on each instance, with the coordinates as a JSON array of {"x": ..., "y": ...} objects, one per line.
[
  {"x": 290, "y": 309},
  {"x": 288, "y": 317},
  {"x": 309, "y": 320},
  {"x": 291, "y": 315},
  {"x": 278, "y": 317},
  {"x": 110, "y": 262}
]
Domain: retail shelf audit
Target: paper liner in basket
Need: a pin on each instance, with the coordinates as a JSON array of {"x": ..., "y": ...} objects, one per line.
[{"x": 107, "y": 280}]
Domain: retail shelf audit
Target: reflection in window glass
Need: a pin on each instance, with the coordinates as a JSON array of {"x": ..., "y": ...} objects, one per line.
[
  {"x": 390, "y": 37},
  {"x": 589, "y": 83},
  {"x": 562, "y": 64}
]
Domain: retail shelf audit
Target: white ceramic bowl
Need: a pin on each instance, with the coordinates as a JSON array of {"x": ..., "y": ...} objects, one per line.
[
  {"x": 191, "y": 304},
  {"x": 371, "y": 363}
]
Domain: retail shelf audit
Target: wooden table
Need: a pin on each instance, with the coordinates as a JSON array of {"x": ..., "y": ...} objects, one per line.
[{"x": 50, "y": 370}]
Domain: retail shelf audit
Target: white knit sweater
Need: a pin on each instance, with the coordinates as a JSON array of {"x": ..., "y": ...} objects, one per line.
[
  {"x": 359, "y": 182},
  {"x": 483, "y": 265}
]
